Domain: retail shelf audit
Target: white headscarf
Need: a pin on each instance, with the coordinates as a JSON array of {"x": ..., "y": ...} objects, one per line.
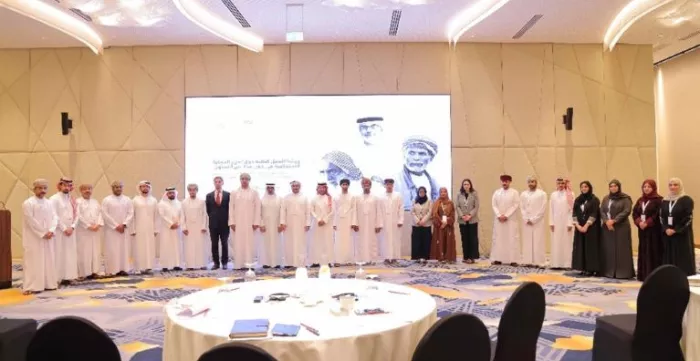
[
  {"x": 165, "y": 194},
  {"x": 143, "y": 183},
  {"x": 673, "y": 197}
]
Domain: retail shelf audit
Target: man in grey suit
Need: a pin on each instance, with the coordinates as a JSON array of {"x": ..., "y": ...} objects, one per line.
[{"x": 217, "y": 209}]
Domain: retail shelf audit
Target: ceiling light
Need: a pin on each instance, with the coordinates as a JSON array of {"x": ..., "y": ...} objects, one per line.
[
  {"x": 210, "y": 22},
  {"x": 57, "y": 19},
  {"x": 295, "y": 36},
  {"x": 350, "y": 3},
  {"x": 295, "y": 22},
  {"x": 633, "y": 11},
  {"x": 132, "y": 4},
  {"x": 146, "y": 22},
  {"x": 110, "y": 20},
  {"x": 91, "y": 7},
  {"x": 470, "y": 16}
]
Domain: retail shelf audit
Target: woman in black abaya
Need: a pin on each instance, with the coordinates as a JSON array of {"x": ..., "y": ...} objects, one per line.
[
  {"x": 616, "y": 239},
  {"x": 586, "y": 212}
]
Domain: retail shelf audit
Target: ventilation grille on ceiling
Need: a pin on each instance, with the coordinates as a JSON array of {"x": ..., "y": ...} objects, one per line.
[
  {"x": 81, "y": 14},
  {"x": 693, "y": 34},
  {"x": 395, "y": 20},
  {"x": 236, "y": 14},
  {"x": 528, "y": 25}
]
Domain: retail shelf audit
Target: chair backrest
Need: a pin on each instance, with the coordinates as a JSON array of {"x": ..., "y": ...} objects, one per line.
[
  {"x": 71, "y": 338},
  {"x": 458, "y": 336},
  {"x": 661, "y": 304},
  {"x": 236, "y": 351},
  {"x": 520, "y": 324}
]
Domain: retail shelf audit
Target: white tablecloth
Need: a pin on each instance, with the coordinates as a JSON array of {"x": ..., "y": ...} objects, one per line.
[
  {"x": 691, "y": 333},
  {"x": 386, "y": 337}
]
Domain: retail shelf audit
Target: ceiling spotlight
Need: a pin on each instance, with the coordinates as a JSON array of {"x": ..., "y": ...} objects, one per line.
[
  {"x": 146, "y": 22},
  {"x": 132, "y": 4},
  {"x": 110, "y": 20}
]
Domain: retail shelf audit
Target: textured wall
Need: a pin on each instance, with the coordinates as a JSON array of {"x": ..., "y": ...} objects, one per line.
[
  {"x": 507, "y": 102},
  {"x": 677, "y": 114}
]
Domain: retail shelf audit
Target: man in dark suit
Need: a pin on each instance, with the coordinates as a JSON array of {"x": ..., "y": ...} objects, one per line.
[{"x": 217, "y": 209}]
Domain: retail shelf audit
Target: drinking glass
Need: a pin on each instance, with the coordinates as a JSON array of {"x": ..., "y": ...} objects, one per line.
[{"x": 360, "y": 273}]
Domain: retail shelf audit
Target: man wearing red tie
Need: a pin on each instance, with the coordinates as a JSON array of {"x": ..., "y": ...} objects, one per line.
[{"x": 217, "y": 203}]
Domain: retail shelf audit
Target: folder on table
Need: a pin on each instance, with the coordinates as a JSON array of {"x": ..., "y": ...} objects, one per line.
[
  {"x": 282, "y": 330},
  {"x": 250, "y": 328}
]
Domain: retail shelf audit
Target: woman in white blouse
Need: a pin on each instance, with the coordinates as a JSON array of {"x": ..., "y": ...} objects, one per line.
[{"x": 421, "y": 234}]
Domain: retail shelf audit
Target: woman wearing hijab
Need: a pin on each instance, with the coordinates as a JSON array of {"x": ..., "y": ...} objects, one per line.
[
  {"x": 468, "y": 218},
  {"x": 442, "y": 247},
  {"x": 420, "y": 234},
  {"x": 677, "y": 228},
  {"x": 586, "y": 253},
  {"x": 646, "y": 217},
  {"x": 616, "y": 243}
]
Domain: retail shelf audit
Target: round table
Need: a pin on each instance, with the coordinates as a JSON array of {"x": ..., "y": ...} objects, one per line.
[
  {"x": 691, "y": 333},
  {"x": 343, "y": 336}
]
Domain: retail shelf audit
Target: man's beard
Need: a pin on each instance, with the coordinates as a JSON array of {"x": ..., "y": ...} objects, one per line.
[{"x": 172, "y": 198}]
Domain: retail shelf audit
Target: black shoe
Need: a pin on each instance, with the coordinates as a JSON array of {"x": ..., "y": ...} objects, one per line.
[
  {"x": 216, "y": 267},
  {"x": 163, "y": 270},
  {"x": 122, "y": 274},
  {"x": 224, "y": 266},
  {"x": 177, "y": 268},
  {"x": 266, "y": 266}
]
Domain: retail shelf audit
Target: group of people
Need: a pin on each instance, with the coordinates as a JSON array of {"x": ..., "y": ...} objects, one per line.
[
  {"x": 61, "y": 234},
  {"x": 588, "y": 235}
]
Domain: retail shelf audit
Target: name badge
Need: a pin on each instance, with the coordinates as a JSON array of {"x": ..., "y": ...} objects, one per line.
[
  {"x": 670, "y": 221},
  {"x": 444, "y": 219},
  {"x": 643, "y": 218}
]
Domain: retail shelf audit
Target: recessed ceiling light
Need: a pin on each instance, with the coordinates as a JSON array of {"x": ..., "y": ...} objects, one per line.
[
  {"x": 132, "y": 4},
  {"x": 295, "y": 36},
  {"x": 110, "y": 20}
]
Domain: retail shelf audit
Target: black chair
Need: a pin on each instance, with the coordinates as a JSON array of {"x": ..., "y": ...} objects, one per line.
[
  {"x": 72, "y": 338},
  {"x": 15, "y": 335},
  {"x": 654, "y": 333},
  {"x": 520, "y": 325},
  {"x": 459, "y": 336},
  {"x": 236, "y": 351}
]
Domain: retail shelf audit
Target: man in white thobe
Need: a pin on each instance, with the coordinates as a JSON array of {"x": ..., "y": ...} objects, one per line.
[
  {"x": 118, "y": 215},
  {"x": 88, "y": 234},
  {"x": 295, "y": 221},
  {"x": 505, "y": 247},
  {"x": 271, "y": 247},
  {"x": 244, "y": 219},
  {"x": 170, "y": 213},
  {"x": 66, "y": 247},
  {"x": 321, "y": 247},
  {"x": 369, "y": 223},
  {"x": 392, "y": 203},
  {"x": 345, "y": 222},
  {"x": 38, "y": 229},
  {"x": 195, "y": 225},
  {"x": 533, "y": 205},
  {"x": 146, "y": 225},
  {"x": 562, "y": 227}
]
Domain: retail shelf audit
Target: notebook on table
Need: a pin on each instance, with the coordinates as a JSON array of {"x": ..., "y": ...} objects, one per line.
[
  {"x": 250, "y": 328},
  {"x": 283, "y": 330}
]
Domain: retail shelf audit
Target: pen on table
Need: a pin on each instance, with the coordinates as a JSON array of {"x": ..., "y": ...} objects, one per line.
[
  {"x": 311, "y": 329},
  {"x": 399, "y": 292}
]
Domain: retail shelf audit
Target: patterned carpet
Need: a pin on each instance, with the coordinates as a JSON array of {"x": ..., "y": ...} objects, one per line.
[{"x": 130, "y": 309}]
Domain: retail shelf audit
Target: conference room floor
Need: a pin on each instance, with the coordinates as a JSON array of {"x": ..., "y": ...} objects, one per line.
[{"x": 130, "y": 308}]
